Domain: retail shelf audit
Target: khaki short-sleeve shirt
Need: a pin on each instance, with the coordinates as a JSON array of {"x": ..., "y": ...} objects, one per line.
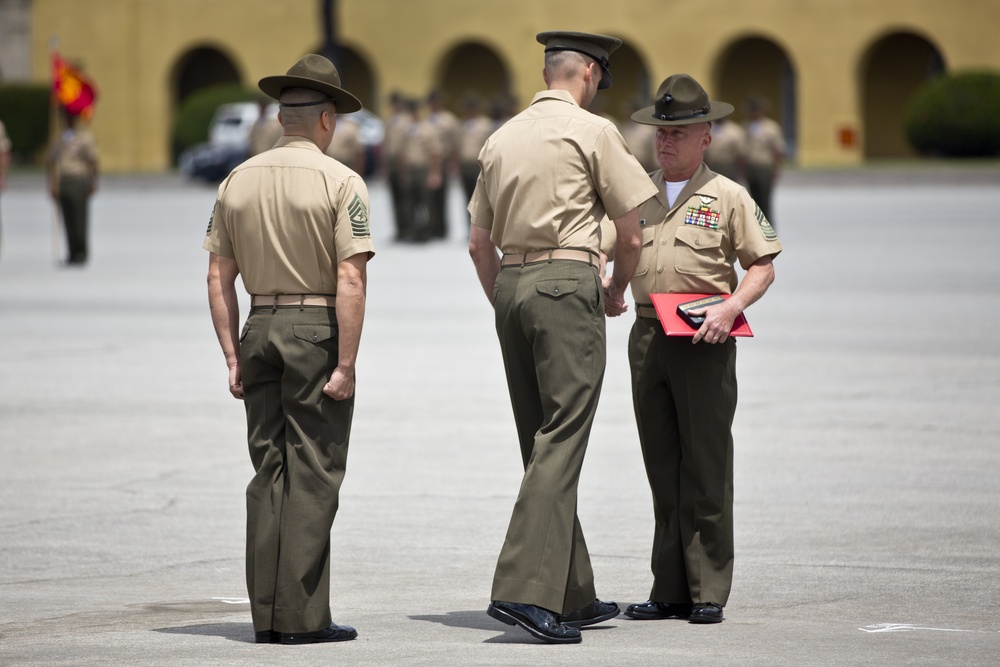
[
  {"x": 346, "y": 142},
  {"x": 448, "y": 130},
  {"x": 551, "y": 173},
  {"x": 396, "y": 129},
  {"x": 4, "y": 139},
  {"x": 422, "y": 142},
  {"x": 75, "y": 156},
  {"x": 764, "y": 142},
  {"x": 288, "y": 216},
  {"x": 475, "y": 132},
  {"x": 693, "y": 246},
  {"x": 729, "y": 144},
  {"x": 264, "y": 134}
]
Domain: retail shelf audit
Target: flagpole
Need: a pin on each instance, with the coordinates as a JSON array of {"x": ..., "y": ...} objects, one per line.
[{"x": 51, "y": 167}]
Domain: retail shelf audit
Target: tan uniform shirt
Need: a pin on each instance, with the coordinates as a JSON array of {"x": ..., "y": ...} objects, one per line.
[
  {"x": 396, "y": 130},
  {"x": 422, "y": 142},
  {"x": 75, "y": 156},
  {"x": 764, "y": 142},
  {"x": 346, "y": 144},
  {"x": 475, "y": 132},
  {"x": 288, "y": 216},
  {"x": 693, "y": 246},
  {"x": 448, "y": 131},
  {"x": 4, "y": 139},
  {"x": 264, "y": 134},
  {"x": 550, "y": 174},
  {"x": 729, "y": 145}
]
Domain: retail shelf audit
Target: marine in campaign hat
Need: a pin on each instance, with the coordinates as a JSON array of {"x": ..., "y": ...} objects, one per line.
[
  {"x": 680, "y": 100},
  {"x": 315, "y": 73}
]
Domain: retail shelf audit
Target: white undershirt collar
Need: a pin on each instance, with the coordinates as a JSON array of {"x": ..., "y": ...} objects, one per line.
[{"x": 673, "y": 189}]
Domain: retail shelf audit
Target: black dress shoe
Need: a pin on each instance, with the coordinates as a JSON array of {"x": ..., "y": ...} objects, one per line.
[
  {"x": 267, "y": 637},
  {"x": 595, "y": 612},
  {"x": 334, "y": 633},
  {"x": 651, "y": 610},
  {"x": 541, "y": 623},
  {"x": 706, "y": 612}
]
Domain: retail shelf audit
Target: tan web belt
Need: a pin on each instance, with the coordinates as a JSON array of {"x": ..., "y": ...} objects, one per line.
[
  {"x": 275, "y": 300},
  {"x": 646, "y": 310},
  {"x": 522, "y": 258}
]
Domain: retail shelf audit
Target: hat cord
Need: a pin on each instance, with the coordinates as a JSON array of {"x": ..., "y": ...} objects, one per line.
[{"x": 686, "y": 114}]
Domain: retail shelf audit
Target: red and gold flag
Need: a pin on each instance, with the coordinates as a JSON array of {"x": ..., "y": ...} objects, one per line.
[{"x": 74, "y": 91}]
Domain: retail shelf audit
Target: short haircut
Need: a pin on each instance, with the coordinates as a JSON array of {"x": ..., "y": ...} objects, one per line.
[
  {"x": 562, "y": 65},
  {"x": 306, "y": 116}
]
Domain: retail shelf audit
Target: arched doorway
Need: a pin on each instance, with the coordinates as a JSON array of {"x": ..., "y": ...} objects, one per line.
[
  {"x": 199, "y": 68},
  {"x": 473, "y": 68},
  {"x": 355, "y": 74},
  {"x": 891, "y": 71},
  {"x": 758, "y": 66}
]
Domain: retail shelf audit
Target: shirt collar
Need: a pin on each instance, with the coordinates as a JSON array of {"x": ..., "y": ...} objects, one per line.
[
  {"x": 555, "y": 94},
  {"x": 297, "y": 142}
]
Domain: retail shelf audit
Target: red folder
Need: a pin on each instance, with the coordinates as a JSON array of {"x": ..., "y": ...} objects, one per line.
[{"x": 673, "y": 325}]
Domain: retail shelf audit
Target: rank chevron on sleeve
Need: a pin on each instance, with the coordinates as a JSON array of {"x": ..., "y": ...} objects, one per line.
[
  {"x": 765, "y": 226},
  {"x": 359, "y": 218}
]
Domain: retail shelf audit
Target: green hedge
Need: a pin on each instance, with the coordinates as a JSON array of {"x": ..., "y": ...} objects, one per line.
[
  {"x": 956, "y": 116},
  {"x": 24, "y": 110},
  {"x": 195, "y": 115}
]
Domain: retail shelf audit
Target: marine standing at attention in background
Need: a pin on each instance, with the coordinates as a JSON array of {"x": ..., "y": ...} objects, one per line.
[{"x": 73, "y": 170}]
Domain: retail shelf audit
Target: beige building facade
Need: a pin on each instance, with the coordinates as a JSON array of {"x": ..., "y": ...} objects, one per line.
[{"x": 837, "y": 73}]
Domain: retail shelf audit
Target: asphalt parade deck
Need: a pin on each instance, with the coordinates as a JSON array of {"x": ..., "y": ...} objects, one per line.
[{"x": 867, "y": 447}]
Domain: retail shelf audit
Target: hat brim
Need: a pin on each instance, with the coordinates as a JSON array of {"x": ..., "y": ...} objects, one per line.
[
  {"x": 343, "y": 100},
  {"x": 606, "y": 81},
  {"x": 717, "y": 110}
]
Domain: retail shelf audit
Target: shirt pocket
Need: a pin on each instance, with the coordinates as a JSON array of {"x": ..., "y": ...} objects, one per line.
[
  {"x": 557, "y": 288},
  {"x": 698, "y": 251},
  {"x": 313, "y": 333},
  {"x": 648, "y": 253}
]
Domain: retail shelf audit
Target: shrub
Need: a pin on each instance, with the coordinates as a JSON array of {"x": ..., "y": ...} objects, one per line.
[
  {"x": 195, "y": 115},
  {"x": 956, "y": 116},
  {"x": 24, "y": 110}
]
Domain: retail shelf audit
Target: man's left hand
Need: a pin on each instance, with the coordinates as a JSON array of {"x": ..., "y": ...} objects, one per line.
[{"x": 718, "y": 322}]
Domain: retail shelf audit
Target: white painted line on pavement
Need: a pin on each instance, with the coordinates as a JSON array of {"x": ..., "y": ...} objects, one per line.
[{"x": 904, "y": 627}]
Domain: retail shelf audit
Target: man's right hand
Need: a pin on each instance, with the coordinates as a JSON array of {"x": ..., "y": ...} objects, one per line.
[
  {"x": 340, "y": 386},
  {"x": 614, "y": 299},
  {"x": 236, "y": 381}
]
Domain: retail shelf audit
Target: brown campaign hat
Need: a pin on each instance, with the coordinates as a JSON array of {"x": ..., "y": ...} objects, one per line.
[
  {"x": 598, "y": 47},
  {"x": 680, "y": 100},
  {"x": 315, "y": 73}
]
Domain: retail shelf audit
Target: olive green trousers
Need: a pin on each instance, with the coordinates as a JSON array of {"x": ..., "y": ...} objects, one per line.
[
  {"x": 74, "y": 204},
  {"x": 550, "y": 323},
  {"x": 298, "y": 439},
  {"x": 684, "y": 396}
]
